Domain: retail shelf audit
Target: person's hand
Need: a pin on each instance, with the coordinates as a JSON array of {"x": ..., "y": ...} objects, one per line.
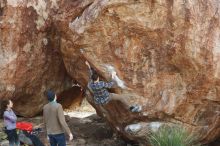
[
  {"x": 70, "y": 136},
  {"x": 113, "y": 74},
  {"x": 87, "y": 63},
  {"x": 82, "y": 50}
]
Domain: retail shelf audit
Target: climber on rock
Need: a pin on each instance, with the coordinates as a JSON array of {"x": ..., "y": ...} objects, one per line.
[{"x": 100, "y": 90}]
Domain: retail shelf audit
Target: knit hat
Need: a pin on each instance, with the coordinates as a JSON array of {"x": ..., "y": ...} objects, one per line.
[{"x": 50, "y": 95}]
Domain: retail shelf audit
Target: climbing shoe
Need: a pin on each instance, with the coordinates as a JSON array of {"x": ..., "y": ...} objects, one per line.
[{"x": 135, "y": 108}]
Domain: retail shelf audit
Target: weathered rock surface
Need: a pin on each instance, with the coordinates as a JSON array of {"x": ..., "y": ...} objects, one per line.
[
  {"x": 30, "y": 60},
  {"x": 166, "y": 52}
]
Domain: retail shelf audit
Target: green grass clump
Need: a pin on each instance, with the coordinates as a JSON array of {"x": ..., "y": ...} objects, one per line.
[{"x": 172, "y": 136}]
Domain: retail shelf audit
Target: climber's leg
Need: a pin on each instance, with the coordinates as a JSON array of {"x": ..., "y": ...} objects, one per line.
[
  {"x": 120, "y": 98},
  {"x": 124, "y": 100}
]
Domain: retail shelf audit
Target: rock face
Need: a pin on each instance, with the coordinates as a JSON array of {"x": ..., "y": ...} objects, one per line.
[
  {"x": 30, "y": 60},
  {"x": 167, "y": 53}
]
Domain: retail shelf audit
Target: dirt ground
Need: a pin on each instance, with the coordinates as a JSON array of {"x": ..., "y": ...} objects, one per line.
[{"x": 87, "y": 131}]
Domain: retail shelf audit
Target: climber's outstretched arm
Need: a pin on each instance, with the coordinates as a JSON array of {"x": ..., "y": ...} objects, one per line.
[{"x": 91, "y": 71}]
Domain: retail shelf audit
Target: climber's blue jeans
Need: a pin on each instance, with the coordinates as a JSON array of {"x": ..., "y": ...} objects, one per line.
[{"x": 57, "y": 139}]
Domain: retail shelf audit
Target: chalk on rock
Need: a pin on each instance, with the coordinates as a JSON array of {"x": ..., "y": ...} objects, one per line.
[
  {"x": 82, "y": 50},
  {"x": 72, "y": 24},
  {"x": 118, "y": 128},
  {"x": 119, "y": 82},
  {"x": 45, "y": 41},
  {"x": 133, "y": 128},
  {"x": 155, "y": 126}
]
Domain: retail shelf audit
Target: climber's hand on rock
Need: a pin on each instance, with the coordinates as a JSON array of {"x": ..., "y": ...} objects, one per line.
[
  {"x": 82, "y": 50},
  {"x": 113, "y": 74},
  {"x": 87, "y": 63}
]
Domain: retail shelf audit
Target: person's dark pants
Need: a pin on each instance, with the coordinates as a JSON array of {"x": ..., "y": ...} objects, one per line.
[
  {"x": 57, "y": 139},
  {"x": 12, "y": 137}
]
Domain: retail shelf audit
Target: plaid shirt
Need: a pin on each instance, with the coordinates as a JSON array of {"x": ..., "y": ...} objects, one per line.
[
  {"x": 101, "y": 94},
  {"x": 99, "y": 89}
]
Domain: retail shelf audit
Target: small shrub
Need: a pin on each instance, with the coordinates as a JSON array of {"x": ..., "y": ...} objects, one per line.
[{"x": 172, "y": 136}]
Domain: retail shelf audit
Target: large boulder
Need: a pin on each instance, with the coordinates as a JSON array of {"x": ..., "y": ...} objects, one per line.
[{"x": 166, "y": 52}]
